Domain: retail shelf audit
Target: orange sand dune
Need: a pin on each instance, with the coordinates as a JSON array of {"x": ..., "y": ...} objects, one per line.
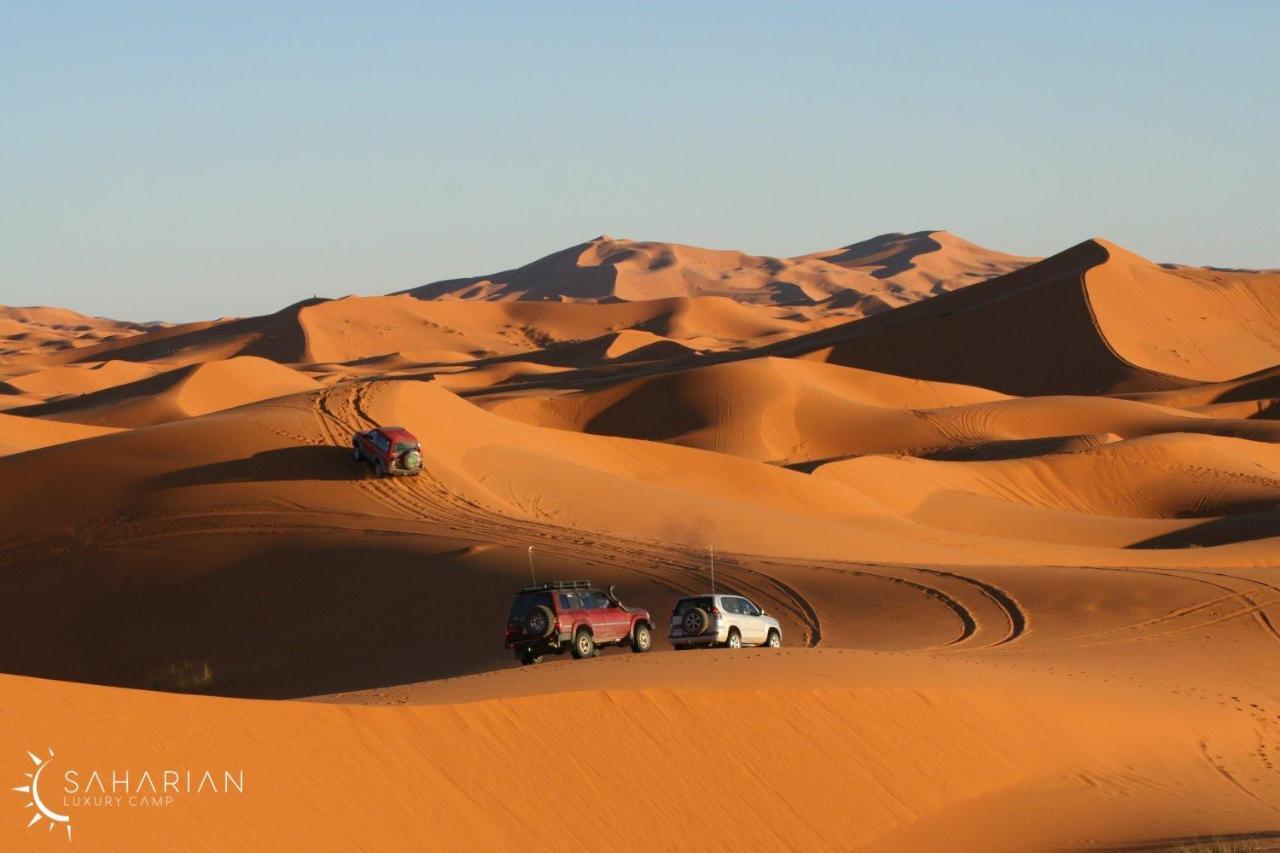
[
  {"x": 34, "y": 334},
  {"x": 823, "y": 749},
  {"x": 277, "y": 337},
  {"x": 1089, "y": 496},
  {"x": 1092, "y": 319},
  {"x": 890, "y": 270},
  {"x": 356, "y": 331},
  {"x": 1254, "y": 395},
  {"x": 18, "y": 433},
  {"x": 176, "y": 394},
  {"x": 1204, "y": 325},
  {"x": 1020, "y": 612},
  {"x": 791, "y": 411},
  {"x": 355, "y": 328},
  {"x": 925, "y": 261},
  {"x": 77, "y": 379}
]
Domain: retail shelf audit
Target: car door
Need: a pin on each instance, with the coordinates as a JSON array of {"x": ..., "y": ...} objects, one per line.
[
  {"x": 753, "y": 625},
  {"x": 732, "y": 607},
  {"x": 570, "y": 612},
  {"x": 612, "y": 620}
]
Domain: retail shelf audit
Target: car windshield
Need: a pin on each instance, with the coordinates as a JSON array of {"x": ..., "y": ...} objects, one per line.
[
  {"x": 527, "y": 601},
  {"x": 687, "y": 604},
  {"x": 405, "y": 446}
]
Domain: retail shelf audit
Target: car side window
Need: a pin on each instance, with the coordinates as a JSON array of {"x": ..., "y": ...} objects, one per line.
[
  {"x": 599, "y": 601},
  {"x": 749, "y": 609},
  {"x": 568, "y": 601},
  {"x": 731, "y": 605}
]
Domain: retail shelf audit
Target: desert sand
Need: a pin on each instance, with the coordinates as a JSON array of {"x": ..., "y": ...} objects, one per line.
[{"x": 1018, "y": 520}]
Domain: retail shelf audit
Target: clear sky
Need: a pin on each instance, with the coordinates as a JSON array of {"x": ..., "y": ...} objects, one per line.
[{"x": 191, "y": 160}]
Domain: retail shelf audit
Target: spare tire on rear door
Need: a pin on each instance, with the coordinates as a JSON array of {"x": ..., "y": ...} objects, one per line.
[
  {"x": 696, "y": 622},
  {"x": 411, "y": 461},
  {"x": 538, "y": 622}
]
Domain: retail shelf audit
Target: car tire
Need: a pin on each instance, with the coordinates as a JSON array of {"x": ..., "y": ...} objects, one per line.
[
  {"x": 774, "y": 641},
  {"x": 539, "y": 621},
  {"x": 696, "y": 622},
  {"x": 734, "y": 641},
  {"x": 641, "y": 639},
  {"x": 584, "y": 645},
  {"x": 529, "y": 658},
  {"x": 355, "y": 452}
]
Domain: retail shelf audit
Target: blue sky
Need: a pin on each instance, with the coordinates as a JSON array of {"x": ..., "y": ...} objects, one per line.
[{"x": 182, "y": 161}]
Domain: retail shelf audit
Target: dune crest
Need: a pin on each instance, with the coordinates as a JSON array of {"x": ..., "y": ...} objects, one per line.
[{"x": 879, "y": 273}]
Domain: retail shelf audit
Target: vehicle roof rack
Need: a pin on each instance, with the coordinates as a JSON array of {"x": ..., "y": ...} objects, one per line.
[{"x": 543, "y": 587}]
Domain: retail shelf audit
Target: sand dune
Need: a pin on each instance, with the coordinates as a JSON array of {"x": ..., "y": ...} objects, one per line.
[
  {"x": 793, "y": 411},
  {"x": 177, "y": 394},
  {"x": 76, "y": 379},
  {"x": 1020, "y": 537},
  {"x": 819, "y": 762},
  {"x": 34, "y": 334},
  {"x": 888, "y": 271},
  {"x": 1081, "y": 322},
  {"x": 925, "y": 261},
  {"x": 18, "y": 433}
]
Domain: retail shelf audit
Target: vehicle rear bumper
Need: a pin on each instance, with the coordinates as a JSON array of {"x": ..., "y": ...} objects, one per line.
[{"x": 720, "y": 635}]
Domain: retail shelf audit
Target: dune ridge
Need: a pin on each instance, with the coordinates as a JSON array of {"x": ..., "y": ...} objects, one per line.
[
  {"x": 1018, "y": 521},
  {"x": 887, "y": 271}
]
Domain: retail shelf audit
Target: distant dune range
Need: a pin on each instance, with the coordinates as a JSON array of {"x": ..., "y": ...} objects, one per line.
[{"x": 1019, "y": 520}]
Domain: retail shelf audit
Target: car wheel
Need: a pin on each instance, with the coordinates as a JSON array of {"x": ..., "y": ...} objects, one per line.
[
  {"x": 735, "y": 639},
  {"x": 696, "y": 622},
  {"x": 538, "y": 622},
  {"x": 584, "y": 646},
  {"x": 774, "y": 641},
  {"x": 355, "y": 452},
  {"x": 641, "y": 639},
  {"x": 529, "y": 658}
]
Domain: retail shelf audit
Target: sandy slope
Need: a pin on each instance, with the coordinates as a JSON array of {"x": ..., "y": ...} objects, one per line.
[
  {"x": 176, "y": 394},
  {"x": 18, "y": 433},
  {"x": 876, "y": 274},
  {"x": 792, "y": 411},
  {"x": 925, "y": 261},
  {"x": 1092, "y": 319},
  {"x": 257, "y": 517},
  {"x": 1020, "y": 613},
  {"x": 788, "y": 750},
  {"x": 32, "y": 335}
]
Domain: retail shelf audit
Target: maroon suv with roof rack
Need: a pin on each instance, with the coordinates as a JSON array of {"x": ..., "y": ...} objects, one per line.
[
  {"x": 573, "y": 616},
  {"x": 390, "y": 449}
]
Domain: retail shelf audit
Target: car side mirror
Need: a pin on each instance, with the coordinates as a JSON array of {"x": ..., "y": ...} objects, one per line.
[{"x": 762, "y": 613}]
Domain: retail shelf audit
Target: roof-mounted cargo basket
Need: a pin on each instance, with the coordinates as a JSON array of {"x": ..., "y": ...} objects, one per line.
[{"x": 543, "y": 587}]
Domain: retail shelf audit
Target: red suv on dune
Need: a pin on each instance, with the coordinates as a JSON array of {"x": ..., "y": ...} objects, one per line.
[
  {"x": 550, "y": 618},
  {"x": 391, "y": 450}
]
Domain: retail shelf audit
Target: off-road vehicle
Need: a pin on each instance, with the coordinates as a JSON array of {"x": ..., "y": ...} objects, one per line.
[
  {"x": 573, "y": 616},
  {"x": 390, "y": 449},
  {"x": 722, "y": 620}
]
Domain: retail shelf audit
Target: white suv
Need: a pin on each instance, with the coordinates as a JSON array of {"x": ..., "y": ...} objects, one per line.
[{"x": 722, "y": 620}]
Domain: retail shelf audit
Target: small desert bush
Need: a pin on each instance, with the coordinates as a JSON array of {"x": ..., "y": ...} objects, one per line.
[{"x": 181, "y": 677}]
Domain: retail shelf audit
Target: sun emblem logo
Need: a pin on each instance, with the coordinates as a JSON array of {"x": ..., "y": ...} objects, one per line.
[{"x": 33, "y": 789}]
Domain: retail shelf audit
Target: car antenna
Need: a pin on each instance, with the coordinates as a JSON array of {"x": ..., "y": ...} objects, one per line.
[
  {"x": 532, "y": 574},
  {"x": 712, "y": 549}
]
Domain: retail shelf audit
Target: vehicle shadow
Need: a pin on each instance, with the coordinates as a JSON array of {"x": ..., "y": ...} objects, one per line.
[{"x": 307, "y": 462}]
